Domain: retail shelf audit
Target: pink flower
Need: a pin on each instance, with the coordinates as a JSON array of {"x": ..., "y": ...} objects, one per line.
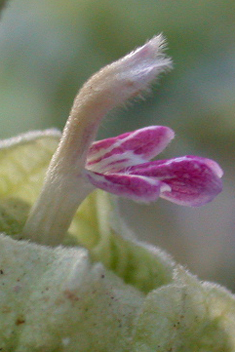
[{"x": 121, "y": 165}]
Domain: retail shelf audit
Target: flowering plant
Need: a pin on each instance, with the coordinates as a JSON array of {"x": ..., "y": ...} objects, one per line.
[{"x": 73, "y": 277}]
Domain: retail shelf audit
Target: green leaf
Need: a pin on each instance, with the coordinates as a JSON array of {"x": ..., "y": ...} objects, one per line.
[
  {"x": 54, "y": 299},
  {"x": 13, "y": 215},
  {"x": 99, "y": 227},
  {"x": 24, "y": 160},
  {"x": 23, "y": 163},
  {"x": 187, "y": 316}
]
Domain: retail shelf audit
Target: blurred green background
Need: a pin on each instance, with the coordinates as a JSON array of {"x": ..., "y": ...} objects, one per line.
[{"x": 50, "y": 47}]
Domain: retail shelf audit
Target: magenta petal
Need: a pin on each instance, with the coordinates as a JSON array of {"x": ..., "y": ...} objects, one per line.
[
  {"x": 138, "y": 188},
  {"x": 116, "y": 153},
  {"x": 194, "y": 181}
]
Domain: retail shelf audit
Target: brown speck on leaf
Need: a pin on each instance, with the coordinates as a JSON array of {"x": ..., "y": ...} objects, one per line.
[
  {"x": 1, "y": 272},
  {"x": 71, "y": 295},
  {"x": 20, "y": 321}
]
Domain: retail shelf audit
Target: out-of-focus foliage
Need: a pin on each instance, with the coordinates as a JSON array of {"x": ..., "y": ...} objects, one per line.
[
  {"x": 2, "y": 4},
  {"x": 49, "y": 48}
]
